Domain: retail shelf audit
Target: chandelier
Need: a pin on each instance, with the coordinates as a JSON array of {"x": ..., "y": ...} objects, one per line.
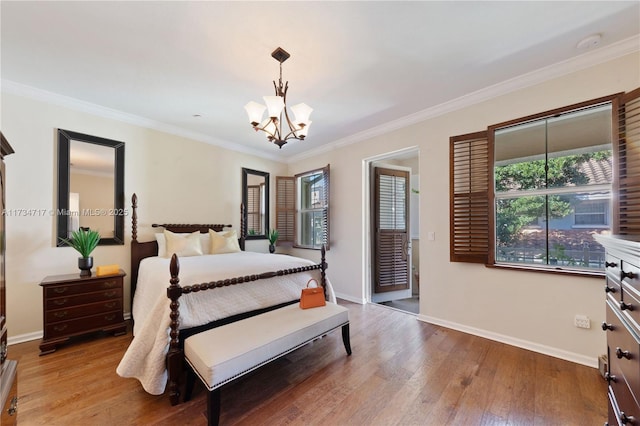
[{"x": 277, "y": 111}]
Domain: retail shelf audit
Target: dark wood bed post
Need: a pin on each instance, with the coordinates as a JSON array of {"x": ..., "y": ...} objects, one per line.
[
  {"x": 243, "y": 226},
  {"x": 134, "y": 218},
  {"x": 175, "y": 357}
]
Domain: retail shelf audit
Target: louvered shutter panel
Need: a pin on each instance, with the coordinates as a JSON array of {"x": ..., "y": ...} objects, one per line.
[
  {"x": 628, "y": 179},
  {"x": 469, "y": 187},
  {"x": 254, "y": 219},
  {"x": 285, "y": 208}
]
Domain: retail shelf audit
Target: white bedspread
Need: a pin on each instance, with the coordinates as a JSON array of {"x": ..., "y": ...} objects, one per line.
[{"x": 145, "y": 357}]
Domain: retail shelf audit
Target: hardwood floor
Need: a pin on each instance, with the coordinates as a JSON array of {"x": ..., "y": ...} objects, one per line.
[{"x": 402, "y": 372}]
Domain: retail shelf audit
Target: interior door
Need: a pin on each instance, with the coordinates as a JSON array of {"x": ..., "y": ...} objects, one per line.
[{"x": 392, "y": 266}]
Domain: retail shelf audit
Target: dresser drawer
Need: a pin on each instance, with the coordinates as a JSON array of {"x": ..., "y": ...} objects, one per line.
[
  {"x": 9, "y": 392},
  {"x": 624, "y": 358},
  {"x": 82, "y": 325},
  {"x": 81, "y": 299},
  {"x": 612, "y": 265},
  {"x": 83, "y": 287},
  {"x": 82, "y": 311},
  {"x": 630, "y": 276}
]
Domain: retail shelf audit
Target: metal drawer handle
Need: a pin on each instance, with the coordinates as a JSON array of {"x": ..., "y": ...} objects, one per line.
[
  {"x": 610, "y": 264},
  {"x": 60, "y": 290},
  {"x": 110, "y": 284},
  {"x": 608, "y": 289},
  {"x": 60, "y": 327},
  {"x": 624, "y": 275},
  {"x": 626, "y": 306},
  {"x": 60, "y": 314},
  {"x": 60, "y": 302},
  {"x": 610, "y": 378},
  {"x": 110, "y": 305},
  {"x": 13, "y": 408},
  {"x": 626, "y": 419},
  {"x": 622, "y": 354},
  {"x": 606, "y": 326},
  {"x": 110, "y": 293},
  {"x": 110, "y": 317}
]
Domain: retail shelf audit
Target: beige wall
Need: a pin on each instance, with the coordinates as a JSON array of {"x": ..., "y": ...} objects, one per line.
[
  {"x": 527, "y": 309},
  {"x": 176, "y": 179}
]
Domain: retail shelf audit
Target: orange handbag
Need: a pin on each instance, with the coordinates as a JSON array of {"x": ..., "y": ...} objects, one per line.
[{"x": 312, "y": 297}]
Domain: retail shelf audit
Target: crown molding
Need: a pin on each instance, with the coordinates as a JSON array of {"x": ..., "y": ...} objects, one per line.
[
  {"x": 577, "y": 63},
  {"x": 19, "y": 89}
]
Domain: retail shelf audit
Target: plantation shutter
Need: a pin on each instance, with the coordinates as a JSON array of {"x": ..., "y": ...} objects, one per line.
[
  {"x": 285, "y": 208},
  {"x": 469, "y": 185},
  {"x": 628, "y": 165},
  {"x": 254, "y": 202}
]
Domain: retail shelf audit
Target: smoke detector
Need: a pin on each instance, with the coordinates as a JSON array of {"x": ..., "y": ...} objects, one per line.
[{"x": 589, "y": 42}]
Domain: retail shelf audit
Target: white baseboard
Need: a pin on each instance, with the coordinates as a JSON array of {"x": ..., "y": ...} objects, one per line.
[
  {"x": 27, "y": 337},
  {"x": 351, "y": 299},
  {"x": 524, "y": 344}
]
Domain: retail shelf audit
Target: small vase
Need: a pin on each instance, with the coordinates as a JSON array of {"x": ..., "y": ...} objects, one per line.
[
  {"x": 272, "y": 248},
  {"x": 85, "y": 264}
]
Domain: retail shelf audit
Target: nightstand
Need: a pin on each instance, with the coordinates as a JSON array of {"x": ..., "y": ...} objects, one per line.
[{"x": 75, "y": 305}]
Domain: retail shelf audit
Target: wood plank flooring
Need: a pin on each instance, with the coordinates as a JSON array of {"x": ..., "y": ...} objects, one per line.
[{"x": 402, "y": 372}]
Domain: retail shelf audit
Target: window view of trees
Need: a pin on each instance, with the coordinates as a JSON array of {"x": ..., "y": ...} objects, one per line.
[{"x": 552, "y": 186}]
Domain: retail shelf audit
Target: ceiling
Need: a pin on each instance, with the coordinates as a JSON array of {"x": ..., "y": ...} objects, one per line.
[{"x": 360, "y": 65}]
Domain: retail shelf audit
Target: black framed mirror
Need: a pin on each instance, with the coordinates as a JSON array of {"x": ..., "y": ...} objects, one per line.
[
  {"x": 90, "y": 187},
  {"x": 255, "y": 199}
]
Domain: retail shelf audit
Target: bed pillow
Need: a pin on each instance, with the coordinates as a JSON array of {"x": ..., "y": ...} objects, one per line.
[
  {"x": 205, "y": 243},
  {"x": 182, "y": 244},
  {"x": 224, "y": 242}
]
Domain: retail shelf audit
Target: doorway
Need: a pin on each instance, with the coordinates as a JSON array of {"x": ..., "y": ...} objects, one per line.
[{"x": 392, "y": 234}]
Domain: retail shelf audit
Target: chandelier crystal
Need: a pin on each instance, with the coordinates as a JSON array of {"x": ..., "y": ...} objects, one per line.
[{"x": 277, "y": 114}]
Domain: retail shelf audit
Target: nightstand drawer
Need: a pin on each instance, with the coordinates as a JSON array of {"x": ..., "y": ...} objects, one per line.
[
  {"x": 83, "y": 325},
  {"x": 82, "y": 311},
  {"x": 83, "y": 287},
  {"x": 80, "y": 299}
]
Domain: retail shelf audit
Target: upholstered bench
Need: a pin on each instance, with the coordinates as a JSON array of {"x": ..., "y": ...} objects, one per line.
[{"x": 222, "y": 354}]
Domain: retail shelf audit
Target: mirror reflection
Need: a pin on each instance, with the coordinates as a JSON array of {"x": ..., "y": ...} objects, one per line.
[
  {"x": 255, "y": 199},
  {"x": 90, "y": 186}
]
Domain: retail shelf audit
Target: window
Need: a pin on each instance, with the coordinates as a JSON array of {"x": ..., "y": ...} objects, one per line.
[
  {"x": 531, "y": 192},
  {"x": 302, "y": 208}
]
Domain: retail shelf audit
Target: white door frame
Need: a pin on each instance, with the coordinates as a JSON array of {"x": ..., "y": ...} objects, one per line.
[{"x": 367, "y": 284}]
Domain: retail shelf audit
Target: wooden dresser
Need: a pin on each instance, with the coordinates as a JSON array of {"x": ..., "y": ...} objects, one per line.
[
  {"x": 623, "y": 327},
  {"x": 8, "y": 368},
  {"x": 75, "y": 305}
]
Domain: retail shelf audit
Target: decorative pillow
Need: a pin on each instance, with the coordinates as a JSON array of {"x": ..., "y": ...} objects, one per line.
[
  {"x": 205, "y": 243},
  {"x": 182, "y": 244},
  {"x": 224, "y": 242}
]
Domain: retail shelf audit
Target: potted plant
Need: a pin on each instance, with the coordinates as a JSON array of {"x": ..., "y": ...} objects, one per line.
[
  {"x": 273, "y": 237},
  {"x": 84, "y": 241}
]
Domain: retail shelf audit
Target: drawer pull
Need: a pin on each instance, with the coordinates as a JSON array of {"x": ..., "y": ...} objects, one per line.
[
  {"x": 629, "y": 275},
  {"x": 606, "y": 326},
  {"x": 13, "y": 408},
  {"x": 622, "y": 354},
  {"x": 608, "y": 289},
  {"x": 610, "y": 264},
  {"x": 60, "y": 302},
  {"x": 626, "y": 419},
  {"x": 610, "y": 378},
  {"x": 110, "y": 305},
  {"x": 60, "y": 327},
  {"x": 60, "y": 290},
  {"x": 60, "y": 314},
  {"x": 110, "y": 293},
  {"x": 626, "y": 306},
  {"x": 110, "y": 317},
  {"x": 110, "y": 284}
]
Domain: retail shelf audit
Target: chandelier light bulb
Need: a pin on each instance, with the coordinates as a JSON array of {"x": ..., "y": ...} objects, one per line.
[
  {"x": 301, "y": 113},
  {"x": 275, "y": 105},
  {"x": 255, "y": 112}
]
